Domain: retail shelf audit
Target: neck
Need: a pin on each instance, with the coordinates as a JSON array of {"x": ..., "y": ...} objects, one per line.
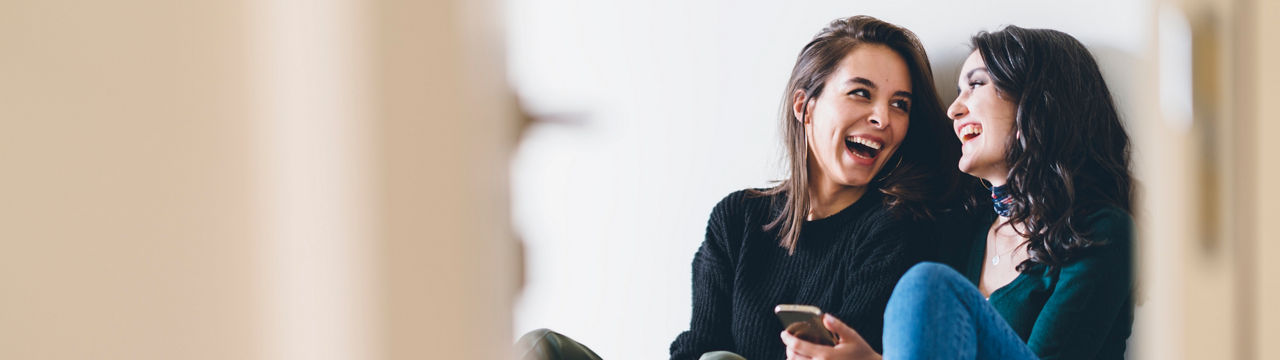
[
  {"x": 827, "y": 198},
  {"x": 1001, "y": 200},
  {"x": 1006, "y": 233},
  {"x": 1002, "y": 220}
]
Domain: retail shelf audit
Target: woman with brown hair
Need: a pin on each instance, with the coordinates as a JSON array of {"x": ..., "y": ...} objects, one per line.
[{"x": 871, "y": 165}]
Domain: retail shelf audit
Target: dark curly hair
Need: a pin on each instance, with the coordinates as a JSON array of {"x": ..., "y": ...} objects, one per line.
[
  {"x": 924, "y": 177},
  {"x": 1071, "y": 157}
]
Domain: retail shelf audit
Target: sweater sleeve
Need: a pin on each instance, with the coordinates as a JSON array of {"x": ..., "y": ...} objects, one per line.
[
  {"x": 1090, "y": 294},
  {"x": 712, "y": 315}
]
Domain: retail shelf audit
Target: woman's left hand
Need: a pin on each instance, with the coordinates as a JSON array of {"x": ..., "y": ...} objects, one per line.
[{"x": 849, "y": 346}]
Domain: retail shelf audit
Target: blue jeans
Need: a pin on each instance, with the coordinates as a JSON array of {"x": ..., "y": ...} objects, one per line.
[{"x": 935, "y": 313}]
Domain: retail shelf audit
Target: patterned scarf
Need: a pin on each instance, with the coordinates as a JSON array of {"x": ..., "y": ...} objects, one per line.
[{"x": 1001, "y": 200}]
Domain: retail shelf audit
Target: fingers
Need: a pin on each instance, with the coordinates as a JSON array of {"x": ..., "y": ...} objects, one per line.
[
  {"x": 846, "y": 333},
  {"x": 797, "y": 348},
  {"x": 787, "y": 338},
  {"x": 792, "y": 355}
]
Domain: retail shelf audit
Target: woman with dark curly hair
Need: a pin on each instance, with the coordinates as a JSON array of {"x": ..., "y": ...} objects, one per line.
[{"x": 1047, "y": 274}]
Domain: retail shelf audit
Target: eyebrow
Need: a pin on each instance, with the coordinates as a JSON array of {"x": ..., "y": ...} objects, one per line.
[
  {"x": 969, "y": 75},
  {"x": 872, "y": 85}
]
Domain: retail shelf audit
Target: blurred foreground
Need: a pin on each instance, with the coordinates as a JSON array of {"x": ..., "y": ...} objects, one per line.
[{"x": 287, "y": 179}]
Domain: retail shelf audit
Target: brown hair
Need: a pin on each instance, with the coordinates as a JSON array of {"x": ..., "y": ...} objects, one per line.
[{"x": 924, "y": 173}]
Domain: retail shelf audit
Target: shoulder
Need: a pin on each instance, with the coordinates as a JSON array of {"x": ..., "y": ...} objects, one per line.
[
  {"x": 746, "y": 204},
  {"x": 1110, "y": 230},
  {"x": 737, "y": 199},
  {"x": 1110, "y": 225},
  {"x": 736, "y": 217}
]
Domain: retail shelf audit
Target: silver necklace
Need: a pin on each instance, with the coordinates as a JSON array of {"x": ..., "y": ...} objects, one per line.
[
  {"x": 995, "y": 260},
  {"x": 995, "y": 244}
]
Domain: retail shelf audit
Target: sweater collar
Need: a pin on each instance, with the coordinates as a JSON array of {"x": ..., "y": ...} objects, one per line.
[{"x": 868, "y": 199}]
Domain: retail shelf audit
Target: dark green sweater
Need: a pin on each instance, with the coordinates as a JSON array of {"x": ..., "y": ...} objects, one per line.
[{"x": 1082, "y": 310}]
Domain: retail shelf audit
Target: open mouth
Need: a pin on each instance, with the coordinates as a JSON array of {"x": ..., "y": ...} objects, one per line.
[
  {"x": 863, "y": 147},
  {"x": 969, "y": 132}
]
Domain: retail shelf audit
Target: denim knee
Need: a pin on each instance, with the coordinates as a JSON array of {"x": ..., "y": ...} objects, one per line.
[{"x": 928, "y": 277}]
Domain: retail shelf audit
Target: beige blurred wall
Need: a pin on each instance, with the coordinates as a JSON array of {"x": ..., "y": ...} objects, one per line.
[
  {"x": 124, "y": 201},
  {"x": 1209, "y": 274},
  {"x": 1266, "y": 203},
  {"x": 273, "y": 179},
  {"x": 446, "y": 130}
]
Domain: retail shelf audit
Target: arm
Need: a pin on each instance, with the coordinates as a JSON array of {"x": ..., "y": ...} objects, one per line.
[
  {"x": 1091, "y": 293},
  {"x": 709, "y": 325}
]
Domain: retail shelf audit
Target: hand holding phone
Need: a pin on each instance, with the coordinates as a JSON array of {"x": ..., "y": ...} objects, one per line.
[{"x": 805, "y": 322}]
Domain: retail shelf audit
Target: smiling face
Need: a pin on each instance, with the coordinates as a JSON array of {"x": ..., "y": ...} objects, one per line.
[
  {"x": 860, "y": 118},
  {"x": 983, "y": 118}
]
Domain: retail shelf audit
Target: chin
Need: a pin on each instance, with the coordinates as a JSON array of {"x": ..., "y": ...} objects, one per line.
[
  {"x": 967, "y": 166},
  {"x": 856, "y": 180},
  {"x": 972, "y": 173}
]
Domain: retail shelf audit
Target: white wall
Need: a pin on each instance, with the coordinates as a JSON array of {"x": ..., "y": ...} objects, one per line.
[{"x": 677, "y": 103}]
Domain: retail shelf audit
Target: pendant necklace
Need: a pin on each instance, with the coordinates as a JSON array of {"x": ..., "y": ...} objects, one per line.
[{"x": 995, "y": 259}]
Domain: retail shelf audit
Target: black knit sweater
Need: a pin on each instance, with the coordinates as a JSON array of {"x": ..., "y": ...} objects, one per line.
[{"x": 846, "y": 264}]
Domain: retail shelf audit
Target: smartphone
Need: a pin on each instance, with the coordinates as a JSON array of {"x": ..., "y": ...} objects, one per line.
[{"x": 805, "y": 322}]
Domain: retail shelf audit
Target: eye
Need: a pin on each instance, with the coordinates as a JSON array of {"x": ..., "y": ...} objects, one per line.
[
  {"x": 904, "y": 105},
  {"x": 976, "y": 83},
  {"x": 863, "y": 93}
]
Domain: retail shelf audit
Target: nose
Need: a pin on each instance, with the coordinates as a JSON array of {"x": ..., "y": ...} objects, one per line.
[
  {"x": 957, "y": 110},
  {"x": 877, "y": 116}
]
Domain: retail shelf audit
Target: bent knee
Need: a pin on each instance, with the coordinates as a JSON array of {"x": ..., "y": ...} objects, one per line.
[
  {"x": 538, "y": 341},
  {"x": 535, "y": 335},
  {"x": 929, "y": 275}
]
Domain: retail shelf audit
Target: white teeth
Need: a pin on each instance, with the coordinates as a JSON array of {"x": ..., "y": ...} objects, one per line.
[
  {"x": 866, "y": 142},
  {"x": 972, "y": 129}
]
